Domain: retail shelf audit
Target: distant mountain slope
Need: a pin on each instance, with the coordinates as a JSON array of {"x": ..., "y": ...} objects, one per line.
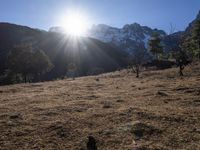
[
  {"x": 130, "y": 37},
  {"x": 87, "y": 53},
  {"x": 11, "y": 34},
  {"x": 133, "y": 36}
]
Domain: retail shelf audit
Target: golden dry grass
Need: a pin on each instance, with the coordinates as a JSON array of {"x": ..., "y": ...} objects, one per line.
[{"x": 157, "y": 111}]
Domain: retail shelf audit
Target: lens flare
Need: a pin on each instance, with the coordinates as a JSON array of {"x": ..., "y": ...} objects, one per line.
[{"x": 75, "y": 24}]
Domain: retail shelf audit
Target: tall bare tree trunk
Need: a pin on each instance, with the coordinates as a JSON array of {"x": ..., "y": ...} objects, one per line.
[
  {"x": 137, "y": 71},
  {"x": 199, "y": 50},
  {"x": 25, "y": 78}
]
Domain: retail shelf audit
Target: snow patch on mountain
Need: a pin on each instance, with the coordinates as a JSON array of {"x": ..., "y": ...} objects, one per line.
[
  {"x": 146, "y": 40},
  {"x": 130, "y": 37}
]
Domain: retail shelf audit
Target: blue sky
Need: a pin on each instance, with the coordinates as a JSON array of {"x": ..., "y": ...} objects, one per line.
[{"x": 154, "y": 13}]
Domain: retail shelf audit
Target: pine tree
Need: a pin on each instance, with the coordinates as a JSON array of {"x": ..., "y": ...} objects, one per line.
[
  {"x": 196, "y": 37},
  {"x": 155, "y": 46},
  {"x": 189, "y": 47}
]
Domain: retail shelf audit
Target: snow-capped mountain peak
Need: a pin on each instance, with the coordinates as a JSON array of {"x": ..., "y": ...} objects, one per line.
[{"x": 130, "y": 37}]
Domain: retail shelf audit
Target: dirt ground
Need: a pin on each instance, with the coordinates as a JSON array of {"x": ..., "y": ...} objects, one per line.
[{"x": 157, "y": 111}]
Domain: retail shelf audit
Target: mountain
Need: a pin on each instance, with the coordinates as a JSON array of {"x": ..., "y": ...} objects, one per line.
[
  {"x": 11, "y": 34},
  {"x": 129, "y": 38},
  {"x": 88, "y": 54},
  {"x": 171, "y": 42},
  {"x": 134, "y": 36},
  {"x": 104, "y": 48}
]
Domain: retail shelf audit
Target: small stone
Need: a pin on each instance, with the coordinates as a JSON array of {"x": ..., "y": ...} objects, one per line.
[
  {"x": 107, "y": 104},
  {"x": 15, "y": 116},
  {"x": 161, "y": 93}
]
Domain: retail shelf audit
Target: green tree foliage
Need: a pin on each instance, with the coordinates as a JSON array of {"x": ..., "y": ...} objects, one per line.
[
  {"x": 196, "y": 37},
  {"x": 155, "y": 46},
  {"x": 181, "y": 60},
  {"x": 189, "y": 47},
  {"x": 191, "y": 43},
  {"x": 23, "y": 60},
  {"x": 20, "y": 60},
  {"x": 40, "y": 64}
]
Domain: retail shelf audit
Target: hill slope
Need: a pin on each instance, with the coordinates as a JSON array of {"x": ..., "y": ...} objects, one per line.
[
  {"x": 159, "y": 110},
  {"x": 87, "y": 53}
]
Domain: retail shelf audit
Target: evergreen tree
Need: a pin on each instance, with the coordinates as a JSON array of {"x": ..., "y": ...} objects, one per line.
[
  {"x": 20, "y": 60},
  {"x": 189, "y": 47},
  {"x": 23, "y": 60},
  {"x": 155, "y": 46},
  {"x": 196, "y": 37},
  {"x": 191, "y": 43},
  {"x": 41, "y": 64}
]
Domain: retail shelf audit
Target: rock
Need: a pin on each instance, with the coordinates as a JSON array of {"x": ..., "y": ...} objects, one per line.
[
  {"x": 120, "y": 101},
  {"x": 61, "y": 133},
  {"x": 107, "y": 104},
  {"x": 91, "y": 144},
  {"x": 15, "y": 116}
]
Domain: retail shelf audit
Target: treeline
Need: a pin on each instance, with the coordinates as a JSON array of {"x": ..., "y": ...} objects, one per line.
[{"x": 25, "y": 64}]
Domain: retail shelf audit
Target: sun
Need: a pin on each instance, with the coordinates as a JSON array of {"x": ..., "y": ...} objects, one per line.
[{"x": 75, "y": 24}]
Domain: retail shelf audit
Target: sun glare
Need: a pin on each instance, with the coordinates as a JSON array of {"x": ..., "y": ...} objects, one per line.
[{"x": 75, "y": 24}]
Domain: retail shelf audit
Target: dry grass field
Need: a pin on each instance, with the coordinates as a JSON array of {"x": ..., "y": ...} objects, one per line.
[{"x": 157, "y": 111}]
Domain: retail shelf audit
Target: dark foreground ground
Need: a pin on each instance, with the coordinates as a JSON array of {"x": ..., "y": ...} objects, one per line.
[{"x": 157, "y": 111}]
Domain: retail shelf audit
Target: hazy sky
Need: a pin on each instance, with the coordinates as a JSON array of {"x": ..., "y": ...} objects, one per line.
[{"x": 154, "y": 13}]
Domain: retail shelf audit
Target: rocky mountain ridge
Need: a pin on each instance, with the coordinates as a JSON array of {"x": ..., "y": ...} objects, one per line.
[{"x": 133, "y": 36}]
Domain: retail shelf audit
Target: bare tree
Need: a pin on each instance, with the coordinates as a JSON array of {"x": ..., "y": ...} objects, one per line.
[
  {"x": 137, "y": 59},
  {"x": 182, "y": 60}
]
